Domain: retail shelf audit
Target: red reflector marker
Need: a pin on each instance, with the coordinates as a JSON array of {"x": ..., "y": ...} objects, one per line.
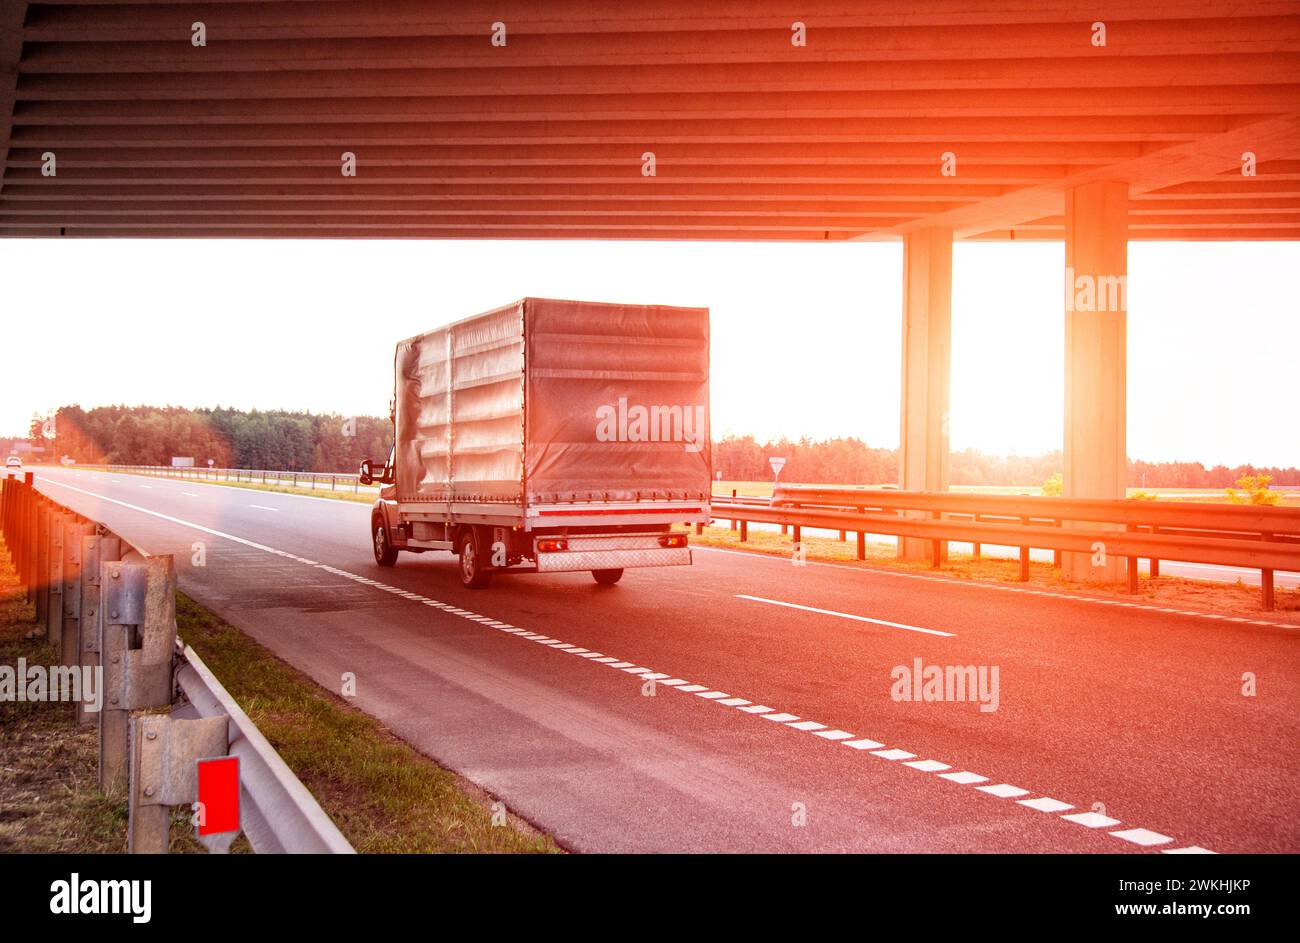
[{"x": 219, "y": 793}]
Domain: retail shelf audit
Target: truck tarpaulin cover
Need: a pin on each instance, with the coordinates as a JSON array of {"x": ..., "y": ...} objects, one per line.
[{"x": 574, "y": 401}]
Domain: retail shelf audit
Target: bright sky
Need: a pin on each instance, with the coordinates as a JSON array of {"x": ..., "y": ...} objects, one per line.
[{"x": 805, "y": 337}]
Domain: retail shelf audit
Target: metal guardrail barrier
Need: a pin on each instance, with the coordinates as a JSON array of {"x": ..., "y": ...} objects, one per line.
[
  {"x": 337, "y": 481},
  {"x": 1255, "y": 537},
  {"x": 105, "y": 605}
]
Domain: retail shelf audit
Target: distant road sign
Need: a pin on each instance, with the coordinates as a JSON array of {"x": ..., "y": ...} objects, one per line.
[{"x": 777, "y": 464}]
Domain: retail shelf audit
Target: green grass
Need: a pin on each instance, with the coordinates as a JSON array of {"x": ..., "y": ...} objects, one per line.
[{"x": 381, "y": 793}]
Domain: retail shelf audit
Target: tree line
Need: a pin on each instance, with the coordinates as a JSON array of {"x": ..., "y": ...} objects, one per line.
[
  {"x": 301, "y": 441},
  {"x": 229, "y": 438}
]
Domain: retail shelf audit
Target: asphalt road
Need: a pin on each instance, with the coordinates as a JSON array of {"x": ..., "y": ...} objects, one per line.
[{"x": 771, "y": 726}]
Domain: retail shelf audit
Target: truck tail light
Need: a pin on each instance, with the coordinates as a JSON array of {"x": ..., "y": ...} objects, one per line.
[
  {"x": 672, "y": 540},
  {"x": 552, "y": 544}
]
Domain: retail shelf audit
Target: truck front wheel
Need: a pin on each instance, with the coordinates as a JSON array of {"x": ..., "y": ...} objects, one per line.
[
  {"x": 473, "y": 573},
  {"x": 607, "y": 577},
  {"x": 385, "y": 552}
]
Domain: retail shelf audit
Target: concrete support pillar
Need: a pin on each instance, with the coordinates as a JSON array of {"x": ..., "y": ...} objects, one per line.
[
  {"x": 927, "y": 364},
  {"x": 1096, "y": 354}
]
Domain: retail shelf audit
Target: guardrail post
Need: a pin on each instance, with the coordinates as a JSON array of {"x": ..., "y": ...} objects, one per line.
[
  {"x": 1153, "y": 571},
  {"x": 54, "y": 576},
  {"x": 137, "y": 641},
  {"x": 70, "y": 647},
  {"x": 1131, "y": 565},
  {"x": 936, "y": 546},
  {"x": 1024, "y": 557},
  {"x": 744, "y": 531},
  {"x": 96, "y": 549},
  {"x": 6, "y": 500},
  {"x": 41, "y": 574},
  {"x": 7, "y": 516},
  {"x": 1266, "y": 582},
  {"x": 26, "y": 539},
  {"x": 165, "y": 753},
  {"x": 862, "y": 545}
]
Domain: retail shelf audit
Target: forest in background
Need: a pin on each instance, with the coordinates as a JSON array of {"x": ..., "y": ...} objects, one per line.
[
  {"x": 300, "y": 441},
  {"x": 231, "y": 438}
]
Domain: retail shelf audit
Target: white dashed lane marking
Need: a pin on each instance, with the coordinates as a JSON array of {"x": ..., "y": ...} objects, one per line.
[
  {"x": 1046, "y": 804},
  {"x": 964, "y": 778},
  {"x": 1139, "y": 836},
  {"x": 1091, "y": 819},
  {"x": 928, "y": 766},
  {"x": 1003, "y": 791},
  {"x": 844, "y": 615},
  {"x": 863, "y": 744},
  {"x": 1142, "y": 836},
  {"x": 1002, "y": 587}
]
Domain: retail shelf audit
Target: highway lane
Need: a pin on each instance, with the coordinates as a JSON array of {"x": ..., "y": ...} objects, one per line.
[{"x": 1134, "y": 712}]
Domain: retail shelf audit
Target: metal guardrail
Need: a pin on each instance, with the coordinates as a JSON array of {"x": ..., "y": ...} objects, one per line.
[
  {"x": 323, "y": 481},
  {"x": 105, "y": 605},
  {"x": 277, "y": 813},
  {"x": 1255, "y": 537}
]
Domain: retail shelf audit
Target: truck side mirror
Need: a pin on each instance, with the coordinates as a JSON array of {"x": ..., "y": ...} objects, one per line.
[{"x": 366, "y": 475}]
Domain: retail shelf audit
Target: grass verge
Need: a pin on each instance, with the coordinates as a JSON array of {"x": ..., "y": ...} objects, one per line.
[{"x": 381, "y": 793}]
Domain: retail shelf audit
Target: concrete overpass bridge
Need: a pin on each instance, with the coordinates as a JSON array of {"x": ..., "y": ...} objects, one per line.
[{"x": 926, "y": 122}]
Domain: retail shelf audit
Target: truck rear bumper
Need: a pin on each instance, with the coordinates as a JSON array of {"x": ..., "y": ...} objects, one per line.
[{"x": 622, "y": 552}]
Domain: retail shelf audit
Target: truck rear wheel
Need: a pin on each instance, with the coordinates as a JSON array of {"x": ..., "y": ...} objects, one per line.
[
  {"x": 474, "y": 574},
  {"x": 607, "y": 577},
  {"x": 385, "y": 552}
]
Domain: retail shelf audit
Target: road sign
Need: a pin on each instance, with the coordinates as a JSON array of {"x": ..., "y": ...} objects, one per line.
[{"x": 777, "y": 464}]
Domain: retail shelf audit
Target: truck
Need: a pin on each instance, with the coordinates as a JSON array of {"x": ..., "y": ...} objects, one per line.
[{"x": 548, "y": 436}]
